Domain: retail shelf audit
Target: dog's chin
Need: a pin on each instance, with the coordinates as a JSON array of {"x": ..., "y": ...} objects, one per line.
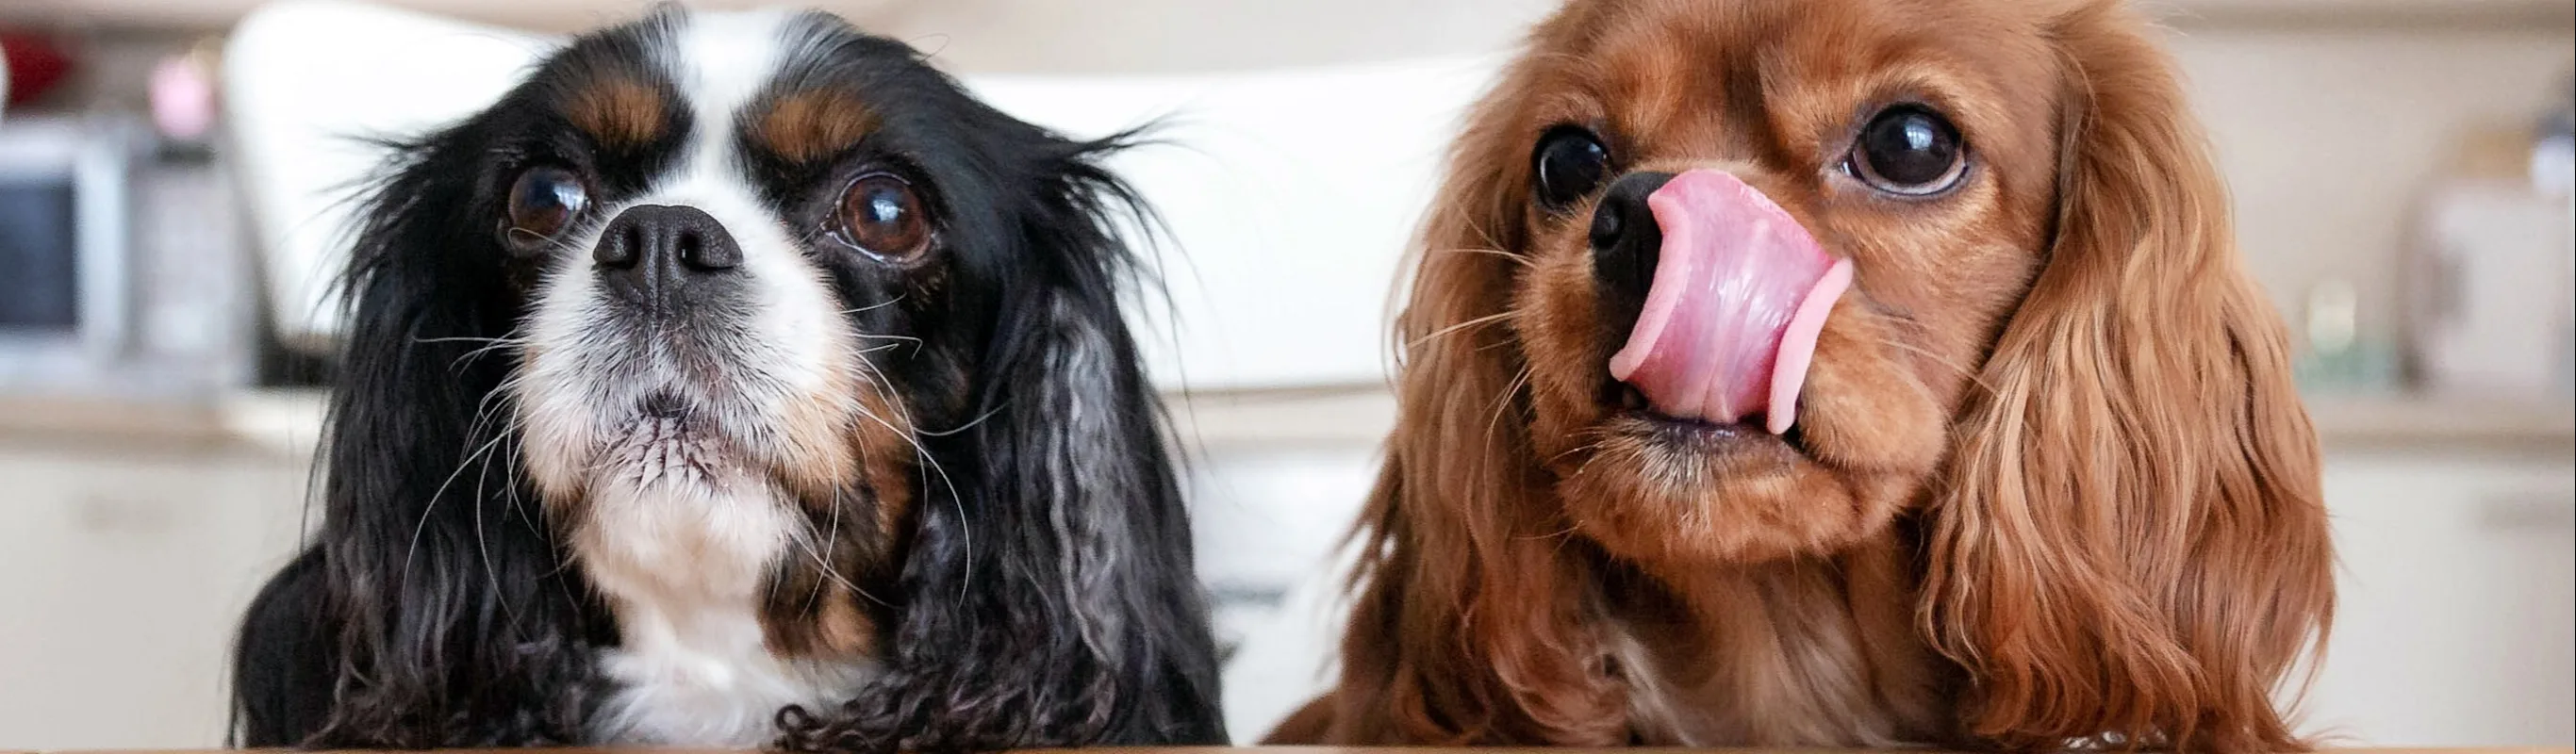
[
  {"x": 658, "y": 445},
  {"x": 666, "y": 443},
  {"x": 1684, "y": 493},
  {"x": 610, "y": 435}
]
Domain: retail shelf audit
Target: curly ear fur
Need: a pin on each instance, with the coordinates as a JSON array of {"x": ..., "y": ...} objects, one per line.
[
  {"x": 1492, "y": 647},
  {"x": 1049, "y": 595},
  {"x": 434, "y": 609},
  {"x": 2132, "y": 537}
]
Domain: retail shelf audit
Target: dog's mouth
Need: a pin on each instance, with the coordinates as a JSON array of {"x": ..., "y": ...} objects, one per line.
[
  {"x": 662, "y": 405},
  {"x": 1627, "y": 411}
]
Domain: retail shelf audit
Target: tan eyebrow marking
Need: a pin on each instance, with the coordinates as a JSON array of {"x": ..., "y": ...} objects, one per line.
[
  {"x": 813, "y": 124},
  {"x": 618, "y": 111}
]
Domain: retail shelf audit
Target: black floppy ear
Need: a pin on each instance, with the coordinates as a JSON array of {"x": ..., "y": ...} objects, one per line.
[
  {"x": 431, "y": 610},
  {"x": 1051, "y": 595}
]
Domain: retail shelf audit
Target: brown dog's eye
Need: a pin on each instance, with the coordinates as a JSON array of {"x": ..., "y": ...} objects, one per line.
[
  {"x": 1908, "y": 150},
  {"x": 542, "y": 203},
  {"x": 880, "y": 214},
  {"x": 1569, "y": 164}
]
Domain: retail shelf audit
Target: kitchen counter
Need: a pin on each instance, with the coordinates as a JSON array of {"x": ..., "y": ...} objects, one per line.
[
  {"x": 279, "y": 421},
  {"x": 1426, "y": 749},
  {"x": 2445, "y": 423}
]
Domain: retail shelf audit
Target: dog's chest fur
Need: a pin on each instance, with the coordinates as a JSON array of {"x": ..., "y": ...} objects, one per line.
[
  {"x": 1779, "y": 654},
  {"x": 683, "y": 566}
]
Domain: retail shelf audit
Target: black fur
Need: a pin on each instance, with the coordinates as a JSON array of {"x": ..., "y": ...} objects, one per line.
[{"x": 1043, "y": 595}]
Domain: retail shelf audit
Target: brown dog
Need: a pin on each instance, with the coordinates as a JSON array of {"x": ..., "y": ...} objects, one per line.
[{"x": 1836, "y": 372}]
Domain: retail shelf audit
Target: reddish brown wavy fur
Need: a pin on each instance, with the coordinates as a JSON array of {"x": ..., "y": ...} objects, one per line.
[{"x": 2055, "y": 486}]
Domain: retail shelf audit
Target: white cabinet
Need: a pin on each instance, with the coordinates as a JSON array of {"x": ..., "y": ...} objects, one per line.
[
  {"x": 1290, "y": 198},
  {"x": 2457, "y": 623},
  {"x": 122, "y": 575},
  {"x": 1267, "y": 523}
]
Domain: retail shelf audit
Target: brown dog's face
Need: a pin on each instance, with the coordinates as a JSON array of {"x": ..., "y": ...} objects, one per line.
[
  {"x": 1716, "y": 283},
  {"x": 1709, "y": 168}
]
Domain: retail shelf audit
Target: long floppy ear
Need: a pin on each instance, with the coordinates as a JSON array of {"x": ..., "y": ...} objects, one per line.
[
  {"x": 2132, "y": 548},
  {"x": 433, "y": 609},
  {"x": 1467, "y": 624},
  {"x": 1051, "y": 596}
]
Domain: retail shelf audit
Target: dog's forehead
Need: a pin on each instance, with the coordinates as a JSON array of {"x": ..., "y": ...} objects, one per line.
[
  {"x": 724, "y": 60},
  {"x": 769, "y": 80},
  {"x": 1765, "y": 51},
  {"x": 1786, "y": 81}
]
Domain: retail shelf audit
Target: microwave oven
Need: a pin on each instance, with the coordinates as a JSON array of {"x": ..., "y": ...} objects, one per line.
[{"x": 121, "y": 270}]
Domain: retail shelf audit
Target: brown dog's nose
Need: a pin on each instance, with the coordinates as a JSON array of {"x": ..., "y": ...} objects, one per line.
[
  {"x": 651, "y": 253},
  {"x": 1625, "y": 246}
]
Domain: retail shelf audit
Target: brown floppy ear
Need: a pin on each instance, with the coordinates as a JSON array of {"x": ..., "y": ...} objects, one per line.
[
  {"x": 2131, "y": 548},
  {"x": 1466, "y": 624}
]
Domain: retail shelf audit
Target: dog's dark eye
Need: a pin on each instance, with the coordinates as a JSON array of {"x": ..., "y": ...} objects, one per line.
[
  {"x": 1569, "y": 164},
  {"x": 1908, "y": 150},
  {"x": 880, "y": 214},
  {"x": 542, "y": 203}
]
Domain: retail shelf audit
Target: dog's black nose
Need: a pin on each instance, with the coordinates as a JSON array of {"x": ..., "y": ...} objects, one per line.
[
  {"x": 651, "y": 252},
  {"x": 1625, "y": 245}
]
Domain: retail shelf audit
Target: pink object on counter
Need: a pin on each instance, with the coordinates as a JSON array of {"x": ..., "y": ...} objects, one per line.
[{"x": 183, "y": 99}]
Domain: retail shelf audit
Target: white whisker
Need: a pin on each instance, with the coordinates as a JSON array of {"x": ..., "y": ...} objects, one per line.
[
  {"x": 970, "y": 424},
  {"x": 877, "y": 378},
  {"x": 426, "y": 510},
  {"x": 898, "y": 298},
  {"x": 1514, "y": 258},
  {"x": 1488, "y": 319}
]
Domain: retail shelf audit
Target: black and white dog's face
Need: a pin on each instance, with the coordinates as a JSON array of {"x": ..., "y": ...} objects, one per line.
[
  {"x": 748, "y": 253},
  {"x": 743, "y": 246},
  {"x": 753, "y": 254},
  {"x": 814, "y": 367}
]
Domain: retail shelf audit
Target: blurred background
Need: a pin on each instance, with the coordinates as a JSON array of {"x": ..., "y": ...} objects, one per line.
[{"x": 169, "y": 171}]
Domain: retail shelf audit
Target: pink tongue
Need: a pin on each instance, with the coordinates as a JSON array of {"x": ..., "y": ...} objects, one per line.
[{"x": 1739, "y": 296}]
